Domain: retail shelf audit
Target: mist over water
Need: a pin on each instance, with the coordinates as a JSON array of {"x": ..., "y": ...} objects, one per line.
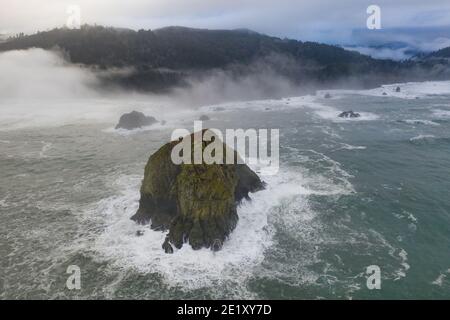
[
  {"x": 40, "y": 74},
  {"x": 39, "y": 87},
  {"x": 350, "y": 192}
]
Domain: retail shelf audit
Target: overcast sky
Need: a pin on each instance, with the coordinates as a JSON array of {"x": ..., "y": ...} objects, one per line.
[{"x": 320, "y": 20}]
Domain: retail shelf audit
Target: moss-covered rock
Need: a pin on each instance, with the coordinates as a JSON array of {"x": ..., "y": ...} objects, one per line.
[{"x": 195, "y": 202}]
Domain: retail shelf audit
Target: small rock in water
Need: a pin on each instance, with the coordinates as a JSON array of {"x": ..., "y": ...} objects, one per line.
[
  {"x": 327, "y": 96},
  {"x": 204, "y": 118},
  {"x": 349, "y": 114},
  {"x": 217, "y": 245},
  {"x": 397, "y": 89},
  {"x": 384, "y": 94},
  {"x": 139, "y": 233},
  {"x": 134, "y": 120},
  {"x": 166, "y": 246}
]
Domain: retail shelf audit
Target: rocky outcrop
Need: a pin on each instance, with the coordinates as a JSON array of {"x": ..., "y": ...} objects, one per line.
[
  {"x": 134, "y": 120},
  {"x": 349, "y": 114},
  {"x": 197, "y": 203}
]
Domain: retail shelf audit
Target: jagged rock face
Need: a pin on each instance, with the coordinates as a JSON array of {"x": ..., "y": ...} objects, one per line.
[
  {"x": 134, "y": 120},
  {"x": 195, "y": 202}
]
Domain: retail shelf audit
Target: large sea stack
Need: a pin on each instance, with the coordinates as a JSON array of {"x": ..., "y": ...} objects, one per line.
[{"x": 195, "y": 202}]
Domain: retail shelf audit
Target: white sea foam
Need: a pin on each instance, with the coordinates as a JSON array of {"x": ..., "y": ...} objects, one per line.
[
  {"x": 440, "y": 113},
  {"x": 422, "y": 138},
  {"x": 420, "y": 121},
  {"x": 333, "y": 114},
  {"x": 124, "y": 132},
  {"x": 327, "y": 112},
  {"x": 441, "y": 278},
  {"x": 309, "y": 102},
  {"x": 3, "y": 203},
  {"x": 351, "y": 147},
  {"x": 45, "y": 147},
  {"x": 300, "y": 102},
  {"x": 258, "y": 105},
  {"x": 411, "y": 217},
  {"x": 401, "y": 272},
  {"x": 409, "y": 90}
]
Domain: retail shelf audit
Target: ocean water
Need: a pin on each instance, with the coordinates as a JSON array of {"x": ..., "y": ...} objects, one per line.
[{"x": 350, "y": 193}]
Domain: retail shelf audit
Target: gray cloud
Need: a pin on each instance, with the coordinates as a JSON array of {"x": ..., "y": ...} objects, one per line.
[{"x": 400, "y": 43}]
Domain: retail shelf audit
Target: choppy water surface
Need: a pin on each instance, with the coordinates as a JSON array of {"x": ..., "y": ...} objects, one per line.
[{"x": 349, "y": 194}]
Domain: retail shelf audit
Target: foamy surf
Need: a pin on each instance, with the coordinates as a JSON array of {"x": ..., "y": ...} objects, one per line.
[
  {"x": 440, "y": 113},
  {"x": 327, "y": 112},
  {"x": 3, "y": 203},
  {"x": 420, "y": 122},
  {"x": 187, "y": 269},
  {"x": 268, "y": 105},
  {"x": 404, "y": 266},
  {"x": 439, "y": 281},
  {"x": 422, "y": 138},
  {"x": 409, "y": 90},
  {"x": 333, "y": 115},
  {"x": 45, "y": 147},
  {"x": 125, "y": 132},
  {"x": 346, "y": 146}
]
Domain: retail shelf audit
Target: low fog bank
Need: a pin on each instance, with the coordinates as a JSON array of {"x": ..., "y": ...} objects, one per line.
[
  {"x": 223, "y": 86},
  {"x": 36, "y": 73},
  {"x": 265, "y": 78},
  {"x": 40, "y": 87},
  {"x": 272, "y": 77},
  {"x": 42, "y": 84}
]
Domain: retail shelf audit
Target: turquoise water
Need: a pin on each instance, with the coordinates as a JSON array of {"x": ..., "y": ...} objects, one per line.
[{"x": 349, "y": 194}]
